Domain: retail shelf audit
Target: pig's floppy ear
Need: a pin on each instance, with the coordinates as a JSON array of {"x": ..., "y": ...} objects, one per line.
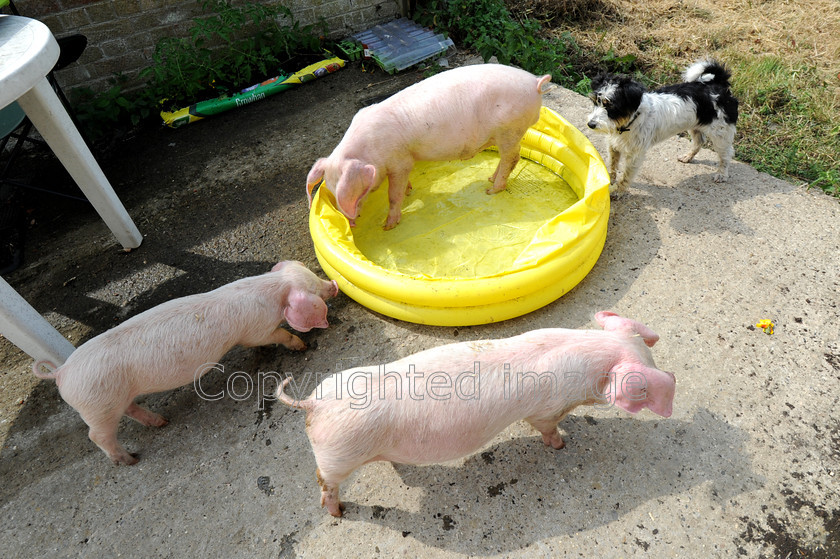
[
  {"x": 646, "y": 388},
  {"x": 611, "y": 321},
  {"x": 356, "y": 181},
  {"x": 305, "y": 311},
  {"x": 314, "y": 178}
]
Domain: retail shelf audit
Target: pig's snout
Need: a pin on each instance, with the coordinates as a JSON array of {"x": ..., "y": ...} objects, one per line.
[
  {"x": 332, "y": 289},
  {"x": 329, "y": 289},
  {"x": 662, "y": 389},
  {"x": 667, "y": 409}
]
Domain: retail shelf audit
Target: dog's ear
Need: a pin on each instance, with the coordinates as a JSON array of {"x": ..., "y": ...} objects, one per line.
[
  {"x": 598, "y": 83},
  {"x": 632, "y": 91},
  {"x": 606, "y": 77}
]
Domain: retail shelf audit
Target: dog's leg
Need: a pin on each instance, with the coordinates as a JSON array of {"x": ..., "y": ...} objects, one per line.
[
  {"x": 615, "y": 159},
  {"x": 722, "y": 144},
  {"x": 632, "y": 163},
  {"x": 696, "y": 143}
]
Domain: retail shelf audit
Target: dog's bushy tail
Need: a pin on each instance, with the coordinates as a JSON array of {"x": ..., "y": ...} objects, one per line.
[{"x": 709, "y": 72}]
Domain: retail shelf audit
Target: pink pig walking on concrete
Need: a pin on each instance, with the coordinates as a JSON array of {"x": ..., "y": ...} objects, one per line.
[
  {"x": 170, "y": 345},
  {"x": 455, "y": 415},
  {"x": 451, "y": 115}
]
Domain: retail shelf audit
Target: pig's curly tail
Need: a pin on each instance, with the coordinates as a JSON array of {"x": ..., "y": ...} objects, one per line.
[
  {"x": 288, "y": 400},
  {"x": 37, "y": 369}
]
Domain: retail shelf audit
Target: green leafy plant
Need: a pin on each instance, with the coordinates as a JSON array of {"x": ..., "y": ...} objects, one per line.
[
  {"x": 233, "y": 46},
  {"x": 98, "y": 113},
  {"x": 619, "y": 64},
  {"x": 488, "y": 27},
  {"x": 828, "y": 180}
]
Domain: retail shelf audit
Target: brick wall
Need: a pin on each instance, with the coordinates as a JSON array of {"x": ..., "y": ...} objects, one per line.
[{"x": 122, "y": 33}]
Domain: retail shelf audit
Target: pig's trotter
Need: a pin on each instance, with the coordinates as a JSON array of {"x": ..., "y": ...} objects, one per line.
[
  {"x": 106, "y": 439},
  {"x": 548, "y": 429},
  {"x": 494, "y": 189},
  {"x": 393, "y": 219},
  {"x": 125, "y": 460},
  {"x": 297, "y": 344},
  {"x": 287, "y": 339},
  {"x": 334, "y": 507},
  {"x": 554, "y": 440},
  {"x": 508, "y": 160},
  {"x": 329, "y": 495},
  {"x": 144, "y": 416},
  {"x": 396, "y": 194}
]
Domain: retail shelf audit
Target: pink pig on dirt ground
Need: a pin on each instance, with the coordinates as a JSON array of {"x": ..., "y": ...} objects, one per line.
[
  {"x": 447, "y": 402},
  {"x": 171, "y": 345},
  {"x": 451, "y": 115}
]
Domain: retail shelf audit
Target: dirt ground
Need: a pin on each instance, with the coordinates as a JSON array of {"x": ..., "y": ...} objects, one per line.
[{"x": 747, "y": 466}]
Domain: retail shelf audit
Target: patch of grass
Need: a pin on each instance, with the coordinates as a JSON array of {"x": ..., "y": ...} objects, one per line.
[
  {"x": 783, "y": 57},
  {"x": 767, "y": 84},
  {"x": 785, "y": 127}
]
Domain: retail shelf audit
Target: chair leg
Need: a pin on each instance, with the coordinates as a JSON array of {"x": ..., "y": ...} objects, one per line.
[{"x": 66, "y": 103}]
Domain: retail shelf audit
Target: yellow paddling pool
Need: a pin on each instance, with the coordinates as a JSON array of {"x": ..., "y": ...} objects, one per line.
[{"x": 460, "y": 257}]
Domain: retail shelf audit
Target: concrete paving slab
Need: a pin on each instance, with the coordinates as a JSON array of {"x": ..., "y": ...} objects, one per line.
[{"x": 746, "y": 466}]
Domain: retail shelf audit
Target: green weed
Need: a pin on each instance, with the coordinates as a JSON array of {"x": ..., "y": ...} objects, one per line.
[
  {"x": 488, "y": 27},
  {"x": 233, "y": 46},
  {"x": 619, "y": 64}
]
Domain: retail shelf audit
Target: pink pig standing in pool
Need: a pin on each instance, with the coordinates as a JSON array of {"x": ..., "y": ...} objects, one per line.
[
  {"x": 449, "y": 401},
  {"x": 172, "y": 344},
  {"x": 452, "y": 115}
]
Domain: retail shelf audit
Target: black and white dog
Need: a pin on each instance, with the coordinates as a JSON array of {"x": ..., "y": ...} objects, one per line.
[{"x": 636, "y": 119}]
